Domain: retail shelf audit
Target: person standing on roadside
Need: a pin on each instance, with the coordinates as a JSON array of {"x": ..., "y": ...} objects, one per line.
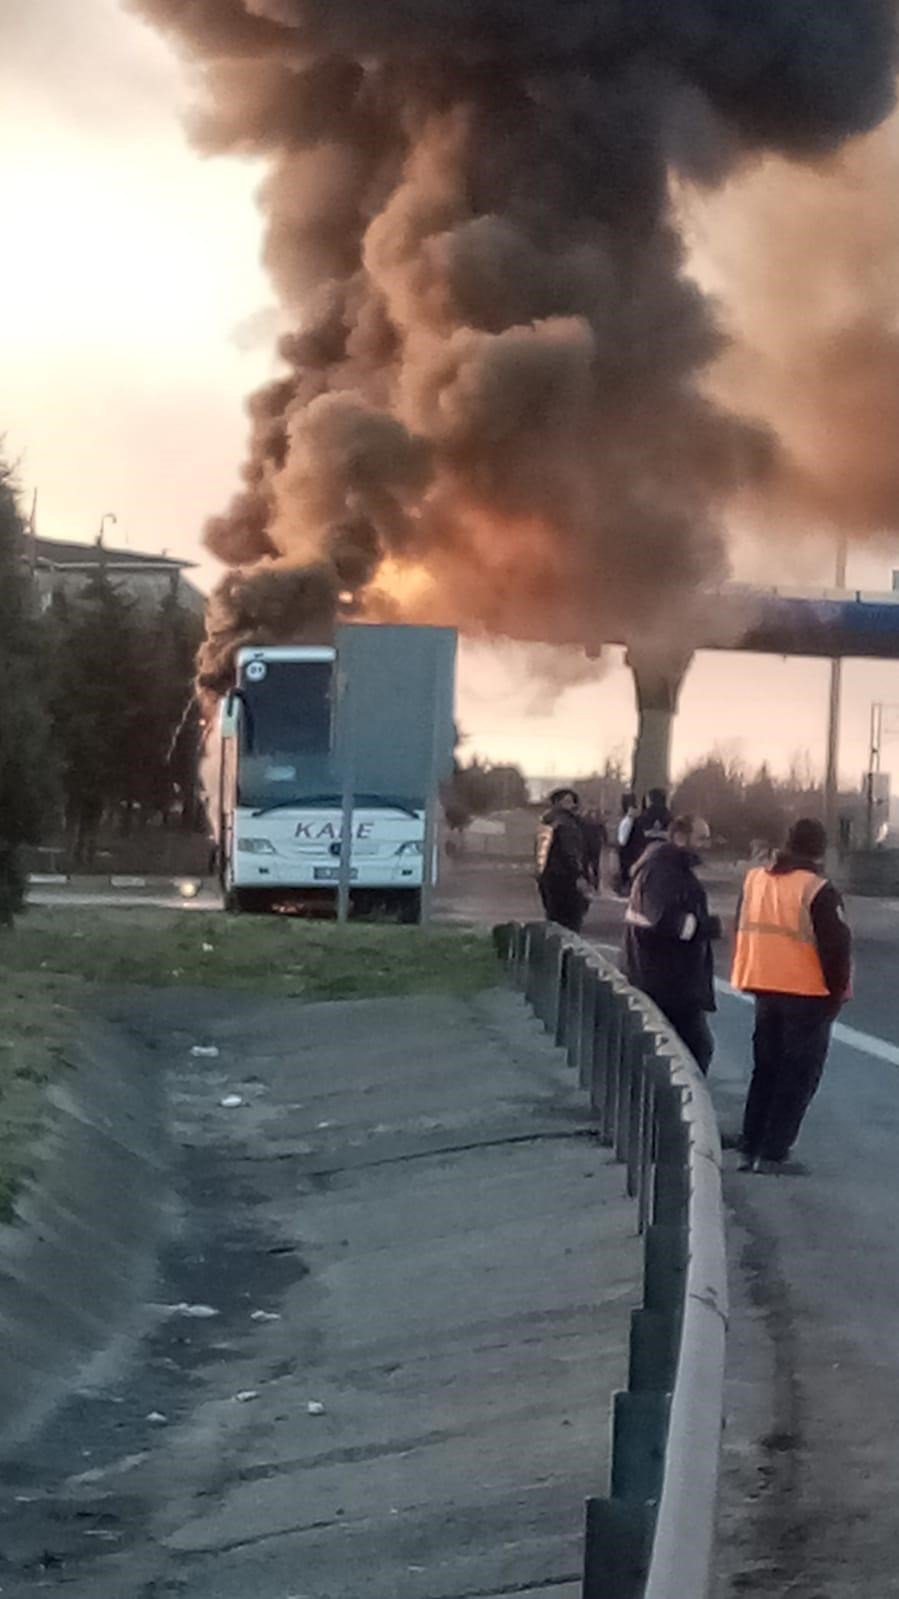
[
  {"x": 626, "y": 843},
  {"x": 668, "y": 935},
  {"x": 793, "y": 952},
  {"x": 561, "y": 861},
  {"x": 653, "y": 822},
  {"x": 595, "y": 838}
]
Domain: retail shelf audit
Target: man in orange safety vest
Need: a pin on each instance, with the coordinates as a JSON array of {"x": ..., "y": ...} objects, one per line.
[{"x": 793, "y": 952}]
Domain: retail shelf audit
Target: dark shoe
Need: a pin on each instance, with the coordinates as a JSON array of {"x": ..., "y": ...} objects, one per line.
[
  {"x": 749, "y": 1163},
  {"x": 770, "y": 1168}
]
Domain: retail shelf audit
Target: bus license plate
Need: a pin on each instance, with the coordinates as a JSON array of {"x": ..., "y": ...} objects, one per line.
[{"x": 331, "y": 874}]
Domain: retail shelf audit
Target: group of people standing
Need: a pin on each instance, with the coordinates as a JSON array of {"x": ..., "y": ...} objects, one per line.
[
  {"x": 637, "y": 830},
  {"x": 570, "y": 845},
  {"x": 569, "y": 850},
  {"x": 792, "y": 948}
]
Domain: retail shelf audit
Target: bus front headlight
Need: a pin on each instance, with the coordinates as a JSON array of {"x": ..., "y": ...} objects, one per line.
[{"x": 255, "y": 846}]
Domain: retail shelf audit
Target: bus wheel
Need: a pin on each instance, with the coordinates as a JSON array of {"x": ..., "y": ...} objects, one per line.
[
  {"x": 410, "y": 906},
  {"x": 244, "y": 900}
]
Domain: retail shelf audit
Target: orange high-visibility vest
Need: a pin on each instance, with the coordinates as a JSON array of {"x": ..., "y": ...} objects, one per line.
[{"x": 775, "y": 949}]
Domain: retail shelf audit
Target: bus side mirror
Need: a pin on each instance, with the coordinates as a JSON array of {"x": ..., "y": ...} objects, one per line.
[{"x": 228, "y": 715}]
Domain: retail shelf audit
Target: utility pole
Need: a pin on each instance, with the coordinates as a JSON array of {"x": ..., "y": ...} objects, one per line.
[
  {"x": 348, "y": 786},
  {"x": 440, "y": 712},
  {"x": 874, "y": 749},
  {"x": 831, "y": 775}
]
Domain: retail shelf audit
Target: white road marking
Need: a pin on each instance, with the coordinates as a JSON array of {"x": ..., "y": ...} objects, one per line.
[
  {"x": 721, "y": 987},
  {"x": 868, "y": 1043},
  {"x": 865, "y": 1043}
]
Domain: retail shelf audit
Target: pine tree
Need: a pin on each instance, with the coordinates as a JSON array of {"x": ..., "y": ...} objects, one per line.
[
  {"x": 181, "y": 633},
  {"x": 122, "y": 710},
  {"x": 26, "y": 757},
  {"x": 96, "y": 706},
  {"x": 167, "y": 772}
]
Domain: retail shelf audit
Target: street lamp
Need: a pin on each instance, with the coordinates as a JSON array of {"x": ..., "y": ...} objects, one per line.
[
  {"x": 884, "y": 725},
  {"x": 831, "y": 775},
  {"x": 108, "y": 516}
]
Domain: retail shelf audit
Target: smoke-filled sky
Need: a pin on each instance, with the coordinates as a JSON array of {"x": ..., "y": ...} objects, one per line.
[
  {"x": 494, "y": 409},
  {"x": 512, "y": 364}
]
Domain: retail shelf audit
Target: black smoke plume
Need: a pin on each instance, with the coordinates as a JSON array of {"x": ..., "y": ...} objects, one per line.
[{"x": 491, "y": 411}]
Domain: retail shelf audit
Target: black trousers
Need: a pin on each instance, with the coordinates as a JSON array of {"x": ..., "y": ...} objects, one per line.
[
  {"x": 563, "y": 902},
  {"x": 692, "y": 1028},
  {"x": 789, "y": 1046}
]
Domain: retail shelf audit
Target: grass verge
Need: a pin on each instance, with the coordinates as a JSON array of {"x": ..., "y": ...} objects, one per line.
[
  {"x": 272, "y": 954},
  {"x": 53, "y": 956},
  {"x": 36, "y": 1024}
]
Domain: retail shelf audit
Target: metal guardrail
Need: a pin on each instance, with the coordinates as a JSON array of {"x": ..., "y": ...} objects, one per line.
[{"x": 652, "y": 1537}]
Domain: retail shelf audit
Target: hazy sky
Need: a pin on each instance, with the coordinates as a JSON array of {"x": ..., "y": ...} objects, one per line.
[{"x": 134, "y": 316}]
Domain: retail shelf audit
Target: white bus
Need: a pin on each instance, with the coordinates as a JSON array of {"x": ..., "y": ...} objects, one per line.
[{"x": 280, "y": 796}]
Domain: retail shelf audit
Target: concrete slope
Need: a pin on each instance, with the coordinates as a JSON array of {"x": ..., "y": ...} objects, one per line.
[
  {"x": 78, "y": 1263},
  {"x": 412, "y": 1189}
]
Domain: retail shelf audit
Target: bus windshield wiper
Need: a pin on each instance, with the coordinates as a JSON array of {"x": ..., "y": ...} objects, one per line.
[
  {"x": 386, "y": 802},
  {"x": 298, "y": 802}
]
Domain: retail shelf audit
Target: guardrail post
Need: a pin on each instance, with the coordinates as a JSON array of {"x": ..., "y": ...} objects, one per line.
[
  {"x": 639, "y": 1428},
  {"x": 554, "y": 978},
  {"x": 550, "y": 977},
  {"x": 672, "y": 1138},
  {"x": 521, "y": 955},
  {"x": 647, "y": 1154},
  {"x": 671, "y": 1194},
  {"x": 540, "y": 978},
  {"x": 599, "y": 1066},
  {"x": 664, "y": 1267},
  {"x": 617, "y": 1023},
  {"x": 566, "y": 962},
  {"x": 536, "y": 955},
  {"x": 628, "y": 1066},
  {"x": 574, "y": 1000},
  {"x": 642, "y": 1047},
  {"x": 617, "y": 1549},
  {"x": 587, "y": 1026},
  {"x": 652, "y": 1538},
  {"x": 654, "y": 1346}
]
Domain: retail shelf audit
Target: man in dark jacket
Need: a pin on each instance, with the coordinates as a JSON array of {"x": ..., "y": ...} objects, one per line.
[
  {"x": 793, "y": 952},
  {"x": 595, "y": 839},
  {"x": 561, "y": 861},
  {"x": 653, "y": 823},
  {"x": 667, "y": 938}
]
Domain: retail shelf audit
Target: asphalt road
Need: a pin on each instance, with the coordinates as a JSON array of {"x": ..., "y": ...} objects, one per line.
[
  {"x": 811, "y": 1460},
  {"x": 811, "y": 1457}
]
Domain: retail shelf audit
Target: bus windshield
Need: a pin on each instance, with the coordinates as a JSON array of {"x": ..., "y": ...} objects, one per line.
[{"x": 285, "y": 744}]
